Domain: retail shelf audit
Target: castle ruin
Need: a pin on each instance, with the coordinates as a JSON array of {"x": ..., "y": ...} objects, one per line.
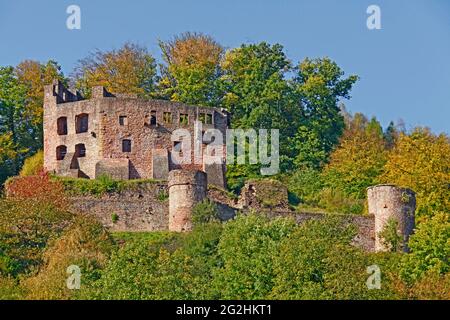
[
  {"x": 122, "y": 136},
  {"x": 129, "y": 138}
]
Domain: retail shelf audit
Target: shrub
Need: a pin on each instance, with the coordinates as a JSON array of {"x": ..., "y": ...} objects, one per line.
[
  {"x": 390, "y": 236},
  {"x": 335, "y": 201},
  {"x": 163, "y": 195},
  {"x": 26, "y": 227},
  {"x": 247, "y": 247},
  {"x": 10, "y": 289},
  {"x": 300, "y": 262},
  {"x": 40, "y": 189},
  {"x": 114, "y": 217},
  {"x": 33, "y": 165},
  {"x": 204, "y": 212},
  {"x": 430, "y": 249},
  {"x": 305, "y": 184},
  {"x": 85, "y": 244}
]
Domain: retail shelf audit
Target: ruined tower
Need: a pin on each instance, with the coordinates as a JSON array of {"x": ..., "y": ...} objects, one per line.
[
  {"x": 389, "y": 202},
  {"x": 186, "y": 189}
]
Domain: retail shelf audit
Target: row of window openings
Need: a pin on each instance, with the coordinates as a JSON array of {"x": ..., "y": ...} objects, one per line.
[
  {"x": 80, "y": 150},
  {"x": 205, "y": 118},
  {"x": 82, "y": 121},
  {"x": 81, "y": 124}
]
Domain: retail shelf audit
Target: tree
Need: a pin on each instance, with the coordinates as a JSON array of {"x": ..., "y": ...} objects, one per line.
[
  {"x": 320, "y": 85},
  {"x": 358, "y": 160},
  {"x": 8, "y": 157},
  {"x": 129, "y": 70},
  {"x": 421, "y": 161},
  {"x": 33, "y": 214},
  {"x": 258, "y": 96},
  {"x": 191, "y": 70},
  {"x": 14, "y": 136},
  {"x": 34, "y": 76},
  {"x": 33, "y": 165}
]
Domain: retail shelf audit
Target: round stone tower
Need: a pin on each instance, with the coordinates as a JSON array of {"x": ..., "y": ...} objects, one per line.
[
  {"x": 389, "y": 202},
  {"x": 186, "y": 189}
]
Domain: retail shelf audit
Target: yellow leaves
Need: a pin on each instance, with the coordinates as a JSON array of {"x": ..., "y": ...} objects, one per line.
[
  {"x": 421, "y": 161},
  {"x": 7, "y": 147},
  {"x": 129, "y": 70},
  {"x": 34, "y": 76},
  {"x": 191, "y": 49}
]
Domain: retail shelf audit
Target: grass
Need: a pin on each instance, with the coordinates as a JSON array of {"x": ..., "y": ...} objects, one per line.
[
  {"x": 142, "y": 236},
  {"x": 229, "y": 194},
  {"x": 100, "y": 186}
]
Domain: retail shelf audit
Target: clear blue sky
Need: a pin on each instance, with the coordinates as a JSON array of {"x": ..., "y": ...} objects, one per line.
[{"x": 404, "y": 68}]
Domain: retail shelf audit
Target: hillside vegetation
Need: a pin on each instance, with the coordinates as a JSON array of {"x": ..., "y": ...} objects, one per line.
[{"x": 328, "y": 157}]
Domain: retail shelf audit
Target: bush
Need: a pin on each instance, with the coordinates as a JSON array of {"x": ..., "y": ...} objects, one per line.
[
  {"x": 300, "y": 263},
  {"x": 34, "y": 213},
  {"x": 205, "y": 212},
  {"x": 85, "y": 244},
  {"x": 33, "y": 165},
  {"x": 305, "y": 184},
  {"x": 335, "y": 201},
  {"x": 114, "y": 217},
  {"x": 10, "y": 289},
  {"x": 430, "y": 249},
  {"x": 248, "y": 246},
  {"x": 390, "y": 236},
  {"x": 40, "y": 189},
  {"x": 104, "y": 184},
  {"x": 131, "y": 273},
  {"x": 26, "y": 227}
]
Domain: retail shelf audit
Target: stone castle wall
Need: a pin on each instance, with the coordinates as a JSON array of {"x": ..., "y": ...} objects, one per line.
[
  {"x": 145, "y": 209},
  {"x": 124, "y": 137}
]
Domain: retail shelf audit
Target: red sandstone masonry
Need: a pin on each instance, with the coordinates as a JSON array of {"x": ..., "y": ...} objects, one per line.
[{"x": 114, "y": 122}]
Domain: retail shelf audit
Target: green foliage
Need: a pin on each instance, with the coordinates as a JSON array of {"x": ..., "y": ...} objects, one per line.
[
  {"x": 163, "y": 195},
  {"x": 125, "y": 237},
  {"x": 306, "y": 183},
  {"x": 14, "y": 137},
  {"x": 205, "y": 212},
  {"x": 191, "y": 70},
  {"x": 26, "y": 227},
  {"x": 10, "y": 289},
  {"x": 129, "y": 273},
  {"x": 317, "y": 262},
  {"x": 169, "y": 267},
  {"x": 319, "y": 84},
  {"x": 248, "y": 247},
  {"x": 104, "y": 184},
  {"x": 258, "y": 95},
  {"x": 336, "y": 201},
  {"x": 114, "y": 217},
  {"x": 391, "y": 237},
  {"x": 85, "y": 244},
  {"x": 430, "y": 248},
  {"x": 33, "y": 165},
  {"x": 359, "y": 159}
]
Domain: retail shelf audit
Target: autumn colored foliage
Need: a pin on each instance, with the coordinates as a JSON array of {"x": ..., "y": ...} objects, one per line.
[{"x": 39, "y": 188}]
